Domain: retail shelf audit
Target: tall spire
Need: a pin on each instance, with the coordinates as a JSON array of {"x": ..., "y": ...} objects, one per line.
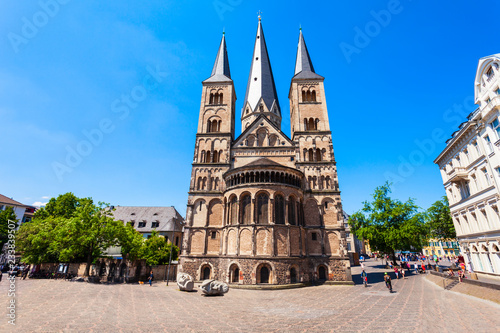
[
  {"x": 260, "y": 87},
  {"x": 304, "y": 68},
  {"x": 220, "y": 72}
]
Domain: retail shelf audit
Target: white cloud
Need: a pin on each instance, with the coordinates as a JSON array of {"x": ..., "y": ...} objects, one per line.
[
  {"x": 45, "y": 197},
  {"x": 39, "y": 204}
]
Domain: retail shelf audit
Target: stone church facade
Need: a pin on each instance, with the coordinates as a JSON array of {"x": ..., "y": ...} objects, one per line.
[{"x": 263, "y": 207}]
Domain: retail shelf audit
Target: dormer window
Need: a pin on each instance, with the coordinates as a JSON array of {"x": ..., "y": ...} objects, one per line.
[
  {"x": 132, "y": 214},
  {"x": 261, "y": 108},
  {"x": 142, "y": 224},
  {"x": 155, "y": 224}
]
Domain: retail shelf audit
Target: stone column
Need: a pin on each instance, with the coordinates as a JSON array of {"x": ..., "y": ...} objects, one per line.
[
  {"x": 273, "y": 241},
  {"x": 270, "y": 211},
  {"x": 253, "y": 211},
  {"x": 286, "y": 212}
]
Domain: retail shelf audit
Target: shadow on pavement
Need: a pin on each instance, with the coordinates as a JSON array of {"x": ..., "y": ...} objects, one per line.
[{"x": 378, "y": 277}]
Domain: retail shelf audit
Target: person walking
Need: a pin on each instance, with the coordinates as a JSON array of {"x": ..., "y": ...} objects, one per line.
[
  {"x": 402, "y": 271},
  {"x": 396, "y": 271},
  {"x": 388, "y": 283},
  {"x": 364, "y": 277},
  {"x": 151, "y": 276}
]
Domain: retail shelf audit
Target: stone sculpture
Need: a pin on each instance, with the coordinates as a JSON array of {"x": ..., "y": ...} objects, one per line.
[
  {"x": 185, "y": 282},
  {"x": 214, "y": 288}
]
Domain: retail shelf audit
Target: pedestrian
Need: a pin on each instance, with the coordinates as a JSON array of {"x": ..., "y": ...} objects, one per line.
[
  {"x": 388, "y": 283},
  {"x": 461, "y": 275},
  {"x": 151, "y": 276},
  {"x": 402, "y": 273},
  {"x": 364, "y": 277},
  {"x": 396, "y": 271},
  {"x": 423, "y": 268}
]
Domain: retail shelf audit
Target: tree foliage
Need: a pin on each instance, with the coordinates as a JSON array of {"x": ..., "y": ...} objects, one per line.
[
  {"x": 439, "y": 221},
  {"x": 6, "y": 215},
  {"x": 71, "y": 229},
  {"x": 389, "y": 224},
  {"x": 156, "y": 250}
]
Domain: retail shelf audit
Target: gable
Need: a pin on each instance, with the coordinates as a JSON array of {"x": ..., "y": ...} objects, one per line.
[{"x": 262, "y": 133}]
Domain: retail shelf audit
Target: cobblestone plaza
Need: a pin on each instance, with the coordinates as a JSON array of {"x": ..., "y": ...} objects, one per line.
[{"x": 416, "y": 306}]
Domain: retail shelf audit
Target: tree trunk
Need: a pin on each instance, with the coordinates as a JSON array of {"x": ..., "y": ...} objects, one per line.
[
  {"x": 89, "y": 262},
  {"x": 393, "y": 257}
]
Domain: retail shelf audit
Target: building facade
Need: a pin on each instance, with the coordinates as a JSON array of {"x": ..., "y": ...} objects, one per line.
[
  {"x": 24, "y": 213},
  {"x": 441, "y": 248},
  {"x": 165, "y": 220},
  {"x": 470, "y": 168},
  {"x": 263, "y": 207}
]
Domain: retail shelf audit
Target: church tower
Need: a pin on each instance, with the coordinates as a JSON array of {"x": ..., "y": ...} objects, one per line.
[
  {"x": 310, "y": 131},
  {"x": 264, "y": 208},
  {"x": 211, "y": 157},
  {"x": 261, "y": 96}
]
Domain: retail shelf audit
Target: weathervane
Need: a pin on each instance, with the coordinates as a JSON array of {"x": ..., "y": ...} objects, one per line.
[{"x": 258, "y": 13}]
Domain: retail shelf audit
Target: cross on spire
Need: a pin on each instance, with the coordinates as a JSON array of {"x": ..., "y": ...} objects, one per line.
[{"x": 258, "y": 13}]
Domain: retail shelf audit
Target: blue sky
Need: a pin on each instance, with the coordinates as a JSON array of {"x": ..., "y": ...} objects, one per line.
[{"x": 395, "y": 92}]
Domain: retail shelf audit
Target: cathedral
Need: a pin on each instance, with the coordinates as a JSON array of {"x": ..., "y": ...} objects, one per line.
[{"x": 264, "y": 208}]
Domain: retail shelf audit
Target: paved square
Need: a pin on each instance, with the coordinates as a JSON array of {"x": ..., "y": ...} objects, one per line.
[{"x": 416, "y": 306}]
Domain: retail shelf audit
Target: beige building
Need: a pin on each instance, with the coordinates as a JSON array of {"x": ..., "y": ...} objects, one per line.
[
  {"x": 470, "y": 168},
  {"x": 263, "y": 207}
]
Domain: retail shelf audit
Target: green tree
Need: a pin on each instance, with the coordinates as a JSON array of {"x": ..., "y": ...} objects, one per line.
[
  {"x": 156, "y": 250},
  {"x": 131, "y": 242},
  {"x": 64, "y": 205},
  {"x": 439, "y": 221},
  {"x": 35, "y": 240},
  {"x": 389, "y": 224},
  {"x": 88, "y": 233},
  {"x": 6, "y": 215}
]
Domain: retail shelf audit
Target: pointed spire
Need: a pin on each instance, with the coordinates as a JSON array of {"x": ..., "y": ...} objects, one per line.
[
  {"x": 304, "y": 68},
  {"x": 260, "y": 81},
  {"x": 220, "y": 72}
]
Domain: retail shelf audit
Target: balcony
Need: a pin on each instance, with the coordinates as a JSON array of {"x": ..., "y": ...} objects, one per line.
[{"x": 458, "y": 174}]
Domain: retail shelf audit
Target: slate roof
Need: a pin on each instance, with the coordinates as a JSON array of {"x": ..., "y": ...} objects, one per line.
[
  {"x": 168, "y": 217},
  {"x": 261, "y": 80},
  {"x": 304, "y": 68},
  {"x": 263, "y": 161},
  {"x": 9, "y": 201},
  {"x": 220, "y": 71}
]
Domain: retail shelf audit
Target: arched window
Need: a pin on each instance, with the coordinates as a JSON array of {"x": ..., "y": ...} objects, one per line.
[
  {"x": 303, "y": 96},
  {"x": 311, "y": 155},
  {"x": 220, "y": 98},
  {"x": 279, "y": 209},
  {"x": 200, "y": 183},
  {"x": 318, "y": 155},
  {"x": 316, "y": 122},
  {"x": 291, "y": 211},
  {"x": 233, "y": 210},
  {"x": 211, "y": 101},
  {"x": 216, "y": 184},
  {"x": 204, "y": 185},
  {"x": 262, "y": 209},
  {"x": 311, "y": 126},
  {"x": 245, "y": 209},
  {"x": 328, "y": 182},
  {"x": 209, "y": 126},
  {"x": 214, "y": 127},
  {"x": 308, "y": 96},
  {"x": 209, "y": 157},
  {"x": 306, "y": 127},
  {"x": 261, "y": 108},
  {"x": 202, "y": 158},
  {"x": 313, "y": 96},
  {"x": 218, "y": 125},
  {"x": 216, "y": 156}
]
